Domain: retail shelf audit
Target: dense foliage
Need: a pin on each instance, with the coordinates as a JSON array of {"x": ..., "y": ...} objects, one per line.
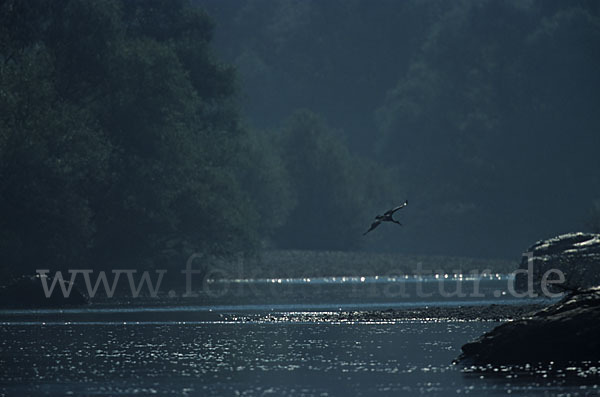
[
  {"x": 336, "y": 193},
  {"x": 121, "y": 145},
  {"x": 124, "y": 141},
  {"x": 488, "y": 109},
  {"x": 119, "y": 135}
]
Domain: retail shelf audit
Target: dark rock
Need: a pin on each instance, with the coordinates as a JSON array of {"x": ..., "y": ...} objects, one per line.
[
  {"x": 576, "y": 255},
  {"x": 29, "y": 292},
  {"x": 564, "y": 332}
]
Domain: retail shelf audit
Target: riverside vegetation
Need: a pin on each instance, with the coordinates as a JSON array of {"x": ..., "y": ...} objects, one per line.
[{"x": 127, "y": 141}]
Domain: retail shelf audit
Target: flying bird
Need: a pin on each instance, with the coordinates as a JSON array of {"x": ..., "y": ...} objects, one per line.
[{"x": 388, "y": 216}]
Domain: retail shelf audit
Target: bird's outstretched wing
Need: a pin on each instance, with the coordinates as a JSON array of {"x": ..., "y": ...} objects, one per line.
[
  {"x": 373, "y": 226},
  {"x": 390, "y": 212}
]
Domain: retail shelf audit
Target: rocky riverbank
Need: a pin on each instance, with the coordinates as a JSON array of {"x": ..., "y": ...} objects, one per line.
[
  {"x": 564, "y": 332},
  {"x": 574, "y": 257}
]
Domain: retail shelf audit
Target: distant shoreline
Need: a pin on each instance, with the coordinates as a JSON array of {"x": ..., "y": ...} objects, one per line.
[
  {"x": 299, "y": 263},
  {"x": 492, "y": 312}
]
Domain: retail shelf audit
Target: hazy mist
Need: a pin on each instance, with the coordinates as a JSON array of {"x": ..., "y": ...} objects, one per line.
[{"x": 485, "y": 111}]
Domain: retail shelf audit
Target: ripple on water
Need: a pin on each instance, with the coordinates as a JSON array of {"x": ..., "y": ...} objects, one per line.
[{"x": 280, "y": 358}]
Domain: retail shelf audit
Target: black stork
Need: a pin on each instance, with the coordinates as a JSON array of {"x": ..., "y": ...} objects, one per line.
[{"x": 388, "y": 216}]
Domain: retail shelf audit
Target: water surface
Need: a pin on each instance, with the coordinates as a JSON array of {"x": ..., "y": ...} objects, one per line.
[{"x": 215, "y": 347}]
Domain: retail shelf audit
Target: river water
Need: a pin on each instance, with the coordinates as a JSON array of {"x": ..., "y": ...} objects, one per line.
[{"x": 246, "y": 337}]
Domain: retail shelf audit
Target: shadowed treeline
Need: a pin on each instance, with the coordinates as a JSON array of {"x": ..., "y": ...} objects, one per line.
[
  {"x": 486, "y": 108},
  {"x": 125, "y": 141},
  {"x": 121, "y": 146}
]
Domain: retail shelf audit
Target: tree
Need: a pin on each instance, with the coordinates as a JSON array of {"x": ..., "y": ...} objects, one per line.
[
  {"x": 119, "y": 136},
  {"x": 489, "y": 117},
  {"x": 335, "y": 190},
  {"x": 51, "y": 156},
  {"x": 267, "y": 182}
]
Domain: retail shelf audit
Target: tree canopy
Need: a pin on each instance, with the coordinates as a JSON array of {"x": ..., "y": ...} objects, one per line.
[
  {"x": 121, "y": 144},
  {"x": 119, "y": 135},
  {"x": 486, "y": 108},
  {"x": 126, "y": 140}
]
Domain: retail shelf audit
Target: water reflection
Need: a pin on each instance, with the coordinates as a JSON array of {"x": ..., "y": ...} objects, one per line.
[
  {"x": 261, "y": 337},
  {"x": 234, "y": 358}
]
